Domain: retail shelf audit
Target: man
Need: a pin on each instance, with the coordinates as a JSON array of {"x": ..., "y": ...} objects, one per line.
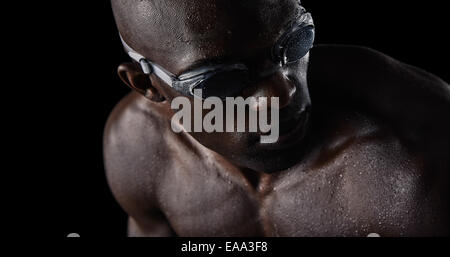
[{"x": 363, "y": 144}]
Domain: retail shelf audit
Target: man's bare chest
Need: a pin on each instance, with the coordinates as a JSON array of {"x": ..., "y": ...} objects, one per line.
[{"x": 362, "y": 190}]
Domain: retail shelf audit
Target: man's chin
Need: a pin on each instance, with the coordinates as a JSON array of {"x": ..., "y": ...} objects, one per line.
[{"x": 270, "y": 158}]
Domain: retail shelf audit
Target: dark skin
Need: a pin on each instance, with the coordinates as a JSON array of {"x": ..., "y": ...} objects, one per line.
[{"x": 372, "y": 156}]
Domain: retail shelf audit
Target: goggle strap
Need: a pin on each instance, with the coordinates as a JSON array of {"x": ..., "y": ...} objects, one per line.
[
  {"x": 147, "y": 66},
  {"x": 164, "y": 75}
]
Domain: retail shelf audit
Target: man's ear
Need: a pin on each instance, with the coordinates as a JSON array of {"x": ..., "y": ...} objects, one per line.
[{"x": 132, "y": 75}]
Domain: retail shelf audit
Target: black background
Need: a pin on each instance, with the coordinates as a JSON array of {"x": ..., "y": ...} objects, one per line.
[{"x": 83, "y": 50}]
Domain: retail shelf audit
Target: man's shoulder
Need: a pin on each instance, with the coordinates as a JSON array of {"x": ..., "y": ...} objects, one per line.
[
  {"x": 134, "y": 142},
  {"x": 134, "y": 122},
  {"x": 415, "y": 102},
  {"x": 134, "y": 112},
  {"x": 131, "y": 144}
]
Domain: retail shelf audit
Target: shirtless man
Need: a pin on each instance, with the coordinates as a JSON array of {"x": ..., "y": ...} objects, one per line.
[{"x": 364, "y": 139}]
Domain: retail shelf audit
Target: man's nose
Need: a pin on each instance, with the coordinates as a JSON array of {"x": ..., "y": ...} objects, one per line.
[{"x": 274, "y": 85}]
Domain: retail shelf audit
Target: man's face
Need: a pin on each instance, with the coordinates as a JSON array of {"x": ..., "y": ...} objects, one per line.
[{"x": 183, "y": 35}]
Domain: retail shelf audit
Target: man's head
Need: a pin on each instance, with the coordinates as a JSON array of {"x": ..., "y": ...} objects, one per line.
[{"x": 183, "y": 35}]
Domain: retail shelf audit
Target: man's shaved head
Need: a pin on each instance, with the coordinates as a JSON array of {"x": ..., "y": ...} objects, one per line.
[{"x": 179, "y": 33}]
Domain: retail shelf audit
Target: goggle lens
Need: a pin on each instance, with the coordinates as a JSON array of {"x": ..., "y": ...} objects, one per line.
[
  {"x": 223, "y": 84},
  {"x": 298, "y": 44}
]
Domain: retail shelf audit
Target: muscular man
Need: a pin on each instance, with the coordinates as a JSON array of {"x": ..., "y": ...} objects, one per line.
[{"x": 364, "y": 139}]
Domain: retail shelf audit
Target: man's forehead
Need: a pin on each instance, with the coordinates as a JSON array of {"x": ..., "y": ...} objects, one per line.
[{"x": 178, "y": 33}]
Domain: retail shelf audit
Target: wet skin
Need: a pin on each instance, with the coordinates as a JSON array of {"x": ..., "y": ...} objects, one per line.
[{"x": 373, "y": 156}]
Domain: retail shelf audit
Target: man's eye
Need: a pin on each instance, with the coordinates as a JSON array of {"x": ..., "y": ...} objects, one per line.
[{"x": 298, "y": 44}]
